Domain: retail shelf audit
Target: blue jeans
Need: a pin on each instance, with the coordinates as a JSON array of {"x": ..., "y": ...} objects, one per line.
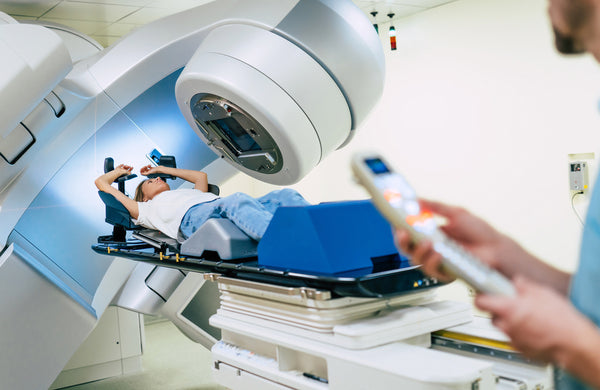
[{"x": 251, "y": 215}]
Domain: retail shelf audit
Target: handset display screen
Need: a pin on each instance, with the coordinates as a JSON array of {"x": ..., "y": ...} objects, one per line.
[{"x": 377, "y": 166}]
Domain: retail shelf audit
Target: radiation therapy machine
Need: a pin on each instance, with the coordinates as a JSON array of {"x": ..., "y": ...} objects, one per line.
[{"x": 269, "y": 88}]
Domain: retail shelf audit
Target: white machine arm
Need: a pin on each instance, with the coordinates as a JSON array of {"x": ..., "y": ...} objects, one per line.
[{"x": 34, "y": 61}]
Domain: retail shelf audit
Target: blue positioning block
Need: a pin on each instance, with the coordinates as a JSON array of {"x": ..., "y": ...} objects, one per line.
[{"x": 327, "y": 238}]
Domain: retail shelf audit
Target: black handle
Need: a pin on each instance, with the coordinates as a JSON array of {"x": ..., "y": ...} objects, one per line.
[{"x": 109, "y": 164}]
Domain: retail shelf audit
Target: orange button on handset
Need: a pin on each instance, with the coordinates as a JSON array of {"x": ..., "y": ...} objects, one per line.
[
  {"x": 420, "y": 218},
  {"x": 391, "y": 195}
]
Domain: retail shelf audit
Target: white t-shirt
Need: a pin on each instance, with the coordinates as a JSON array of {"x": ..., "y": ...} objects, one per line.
[{"x": 165, "y": 211}]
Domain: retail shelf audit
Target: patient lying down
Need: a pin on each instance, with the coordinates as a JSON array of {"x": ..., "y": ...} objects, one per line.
[{"x": 179, "y": 213}]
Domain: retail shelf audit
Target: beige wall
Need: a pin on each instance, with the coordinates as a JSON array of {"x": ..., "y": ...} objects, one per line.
[{"x": 479, "y": 110}]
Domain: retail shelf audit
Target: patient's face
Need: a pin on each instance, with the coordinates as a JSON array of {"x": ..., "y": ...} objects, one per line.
[{"x": 153, "y": 187}]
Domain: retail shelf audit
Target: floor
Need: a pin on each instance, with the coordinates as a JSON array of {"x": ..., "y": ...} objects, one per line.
[{"x": 170, "y": 362}]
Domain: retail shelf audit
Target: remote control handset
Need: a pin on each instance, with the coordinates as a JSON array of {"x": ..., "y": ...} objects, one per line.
[{"x": 398, "y": 203}]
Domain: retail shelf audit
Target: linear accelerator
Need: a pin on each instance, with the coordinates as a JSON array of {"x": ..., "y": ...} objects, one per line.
[{"x": 269, "y": 88}]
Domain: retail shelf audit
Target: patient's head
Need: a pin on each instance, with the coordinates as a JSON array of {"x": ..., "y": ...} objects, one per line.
[{"x": 149, "y": 188}]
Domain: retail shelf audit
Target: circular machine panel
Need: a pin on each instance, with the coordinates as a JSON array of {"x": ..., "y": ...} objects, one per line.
[
  {"x": 262, "y": 103},
  {"x": 237, "y": 134}
]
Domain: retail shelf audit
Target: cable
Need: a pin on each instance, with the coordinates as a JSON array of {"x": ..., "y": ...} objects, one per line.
[{"x": 573, "y": 206}]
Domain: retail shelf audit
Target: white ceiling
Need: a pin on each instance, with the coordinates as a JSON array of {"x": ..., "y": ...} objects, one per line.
[{"x": 107, "y": 20}]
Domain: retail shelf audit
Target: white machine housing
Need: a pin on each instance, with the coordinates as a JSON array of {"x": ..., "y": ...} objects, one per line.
[
  {"x": 119, "y": 102},
  {"x": 281, "y": 110},
  {"x": 273, "y": 103},
  {"x": 276, "y": 337}
]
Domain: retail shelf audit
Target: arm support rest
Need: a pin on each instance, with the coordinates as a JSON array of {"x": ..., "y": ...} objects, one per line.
[{"x": 116, "y": 213}]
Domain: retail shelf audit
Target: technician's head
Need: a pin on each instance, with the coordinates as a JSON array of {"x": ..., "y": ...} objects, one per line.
[
  {"x": 149, "y": 188},
  {"x": 576, "y": 25}
]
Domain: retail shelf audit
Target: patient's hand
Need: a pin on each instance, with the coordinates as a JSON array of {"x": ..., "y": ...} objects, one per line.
[
  {"x": 104, "y": 182},
  {"x": 123, "y": 169},
  {"x": 149, "y": 169}
]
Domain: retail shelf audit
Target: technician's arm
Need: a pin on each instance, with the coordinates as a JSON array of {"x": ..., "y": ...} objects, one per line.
[
  {"x": 584, "y": 361},
  {"x": 104, "y": 184},
  {"x": 492, "y": 247},
  {"x": 199, "y": 178},
  {"x": 581, "y": 358}
]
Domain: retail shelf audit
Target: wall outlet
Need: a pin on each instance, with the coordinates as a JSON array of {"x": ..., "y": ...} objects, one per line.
[
  {"x": 581, "y": 166},
  {"x": 578, "y": 176}
]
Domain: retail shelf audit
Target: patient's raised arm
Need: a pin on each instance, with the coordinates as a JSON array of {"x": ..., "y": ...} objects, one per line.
[
  {"x": 104, "y": 184},
  {"x": 199, "y": 178},
  {"x": 105, "y": 181}
]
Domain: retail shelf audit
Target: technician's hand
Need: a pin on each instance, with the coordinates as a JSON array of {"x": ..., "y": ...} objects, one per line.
[
  {"x": 473, "y": 233},
  {"x": 542, "y": 324},
  {"x": 149, "y": 169},
  {"x": 421, "y": 254}
]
